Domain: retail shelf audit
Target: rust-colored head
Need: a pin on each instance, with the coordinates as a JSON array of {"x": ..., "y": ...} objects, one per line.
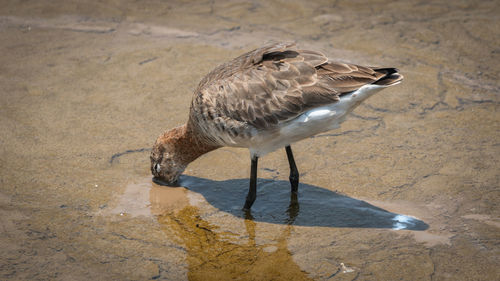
[
  {"x": 164, "y": 167},
  {"x": 173, "y": 151},
  {"x": 166, "y": 160}
]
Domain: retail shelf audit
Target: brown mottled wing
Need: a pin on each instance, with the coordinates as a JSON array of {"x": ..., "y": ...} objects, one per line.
[{"x": 273, "y": 84}]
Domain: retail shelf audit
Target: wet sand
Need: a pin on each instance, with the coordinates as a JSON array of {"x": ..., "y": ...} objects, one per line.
[{"x": 407, "y": 189}]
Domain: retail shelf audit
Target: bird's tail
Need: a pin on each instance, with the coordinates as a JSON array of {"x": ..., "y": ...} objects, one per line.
[{"x": 390, "y": 78}]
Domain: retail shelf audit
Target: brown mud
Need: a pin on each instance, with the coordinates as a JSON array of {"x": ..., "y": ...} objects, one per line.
[{"x": 407, "y": 189}]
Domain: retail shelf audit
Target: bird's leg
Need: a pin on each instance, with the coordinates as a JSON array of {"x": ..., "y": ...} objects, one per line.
[
  {"x": 293, "y": 208},
  {"x": 252, "y": 190},
  {"x": 294, "y": 173}
]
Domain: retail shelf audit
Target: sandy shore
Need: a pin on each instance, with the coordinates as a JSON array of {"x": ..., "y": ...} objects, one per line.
[{"x": 86, "y": 87}]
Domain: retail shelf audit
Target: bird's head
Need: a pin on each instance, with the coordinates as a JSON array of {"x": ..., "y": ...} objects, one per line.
[
  {"x": 173, "y": 151},
  {"x": 167, "y": 163}
]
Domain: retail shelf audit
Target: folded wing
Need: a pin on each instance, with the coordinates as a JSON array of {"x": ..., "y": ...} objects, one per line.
[{"x": 276, "y": 83}]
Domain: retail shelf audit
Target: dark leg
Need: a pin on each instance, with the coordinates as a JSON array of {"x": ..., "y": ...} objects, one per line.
[
  {"x": 252, "y": 190},
  {"x": 293, "y": 208},
  {"x": 294, "y": 173}
]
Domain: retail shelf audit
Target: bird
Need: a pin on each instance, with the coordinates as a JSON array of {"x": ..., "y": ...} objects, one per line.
[{"x": 264, "y": 100}]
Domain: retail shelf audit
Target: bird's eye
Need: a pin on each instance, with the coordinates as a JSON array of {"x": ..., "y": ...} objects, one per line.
[{"x": 157, "y": 167}]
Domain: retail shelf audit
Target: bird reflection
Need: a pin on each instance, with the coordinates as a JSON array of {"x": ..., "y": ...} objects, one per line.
[
  {"x": 293, "y": 209},
  {"x": 213, "y": 253}
]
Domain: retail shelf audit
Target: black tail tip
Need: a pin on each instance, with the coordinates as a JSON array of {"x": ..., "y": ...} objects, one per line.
[{"x": 391, "y": 76}]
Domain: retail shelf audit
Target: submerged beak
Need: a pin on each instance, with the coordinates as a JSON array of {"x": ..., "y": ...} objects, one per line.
[{"x": 163, "y": 182}]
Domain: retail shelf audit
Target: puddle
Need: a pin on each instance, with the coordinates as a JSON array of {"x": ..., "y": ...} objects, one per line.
[
  {"x": 221, "y": 241},
  {"x": 216, "y": 254},
  {"x": 135, "y": 201},
  {"x": 435, "y": 234},
  {"x": 313, "y": 206},
  {"x": 148, "y": 199}
]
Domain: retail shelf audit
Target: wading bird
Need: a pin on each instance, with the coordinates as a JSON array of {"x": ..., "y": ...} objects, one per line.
[{"x": 263, "y": 100}]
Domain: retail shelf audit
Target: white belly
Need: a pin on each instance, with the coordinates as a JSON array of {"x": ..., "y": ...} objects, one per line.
[{"x": 310, "y": 123}]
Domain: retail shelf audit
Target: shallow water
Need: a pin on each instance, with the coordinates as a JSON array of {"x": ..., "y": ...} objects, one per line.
[{"x": 407, "y": 189}]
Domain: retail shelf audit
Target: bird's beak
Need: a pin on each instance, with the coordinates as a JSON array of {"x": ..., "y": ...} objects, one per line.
[{"x": 163, "y": 182}]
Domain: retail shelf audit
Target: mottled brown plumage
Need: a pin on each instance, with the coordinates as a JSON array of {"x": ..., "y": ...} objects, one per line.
[
  {"x": 267, "y": 86},
  {"x": 263, "y": 100}
]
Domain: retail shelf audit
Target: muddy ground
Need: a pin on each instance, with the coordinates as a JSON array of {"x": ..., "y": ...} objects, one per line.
[{"x": 407, "y": 189}]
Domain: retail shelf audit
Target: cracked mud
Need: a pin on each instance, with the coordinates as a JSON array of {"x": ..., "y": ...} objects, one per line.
[{"x": 407, "y": 189}]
